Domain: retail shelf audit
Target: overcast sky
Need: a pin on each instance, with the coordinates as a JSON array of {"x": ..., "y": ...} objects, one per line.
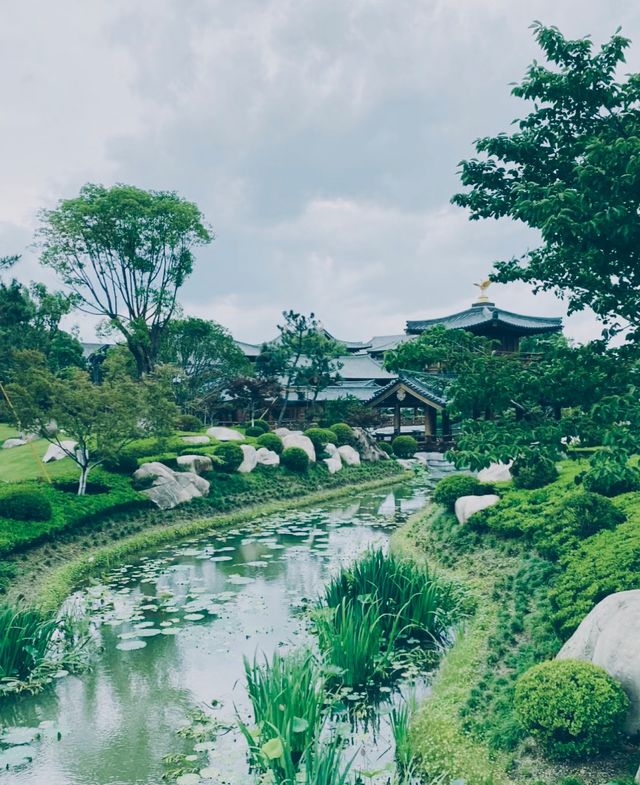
[{"x": 319, "y": 137}]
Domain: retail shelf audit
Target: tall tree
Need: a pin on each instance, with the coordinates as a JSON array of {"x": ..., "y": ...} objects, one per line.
[
  {"x": 125, "y": 253},
  {"x": 570, "y": 170},
  {"x": 100, "y": 419},
  {"x": 207, "y": 357}
]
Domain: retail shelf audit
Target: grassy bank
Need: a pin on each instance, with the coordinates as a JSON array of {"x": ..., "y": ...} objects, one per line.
[
  {"x": 47, "y": 585},
  {"x": 514, "y": 559}
]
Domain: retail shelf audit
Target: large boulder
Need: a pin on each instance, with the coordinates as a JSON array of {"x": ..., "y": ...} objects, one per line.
[
  {"x": 349, "y": 455},
  {"x": 496, "y": 472},
  {"x": 196, "y": 439},
  {"x": 267, "y": 457},
  {"x": 368, "y": 447},
  {"x": 225, "y": 434},
  {"x": 334, "y": 463},
  {"x": 466, "y": 506},
  {"x": 170, "y": 488},
  {"x": 301, "y": 441},
  {"x": 250, "y": 460},
  {"x": 198, "y": 464},
  {"x": 7, "y": 444},
  {"x": 282, "y": 432},
  {"x": 57, "y": 452},
  {"x": 609, "y": 636},
  {"x": 331, "y": 449}
]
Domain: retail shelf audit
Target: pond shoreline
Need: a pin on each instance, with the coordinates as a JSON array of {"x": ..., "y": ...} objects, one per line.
[{"x": 48, "y": 575}]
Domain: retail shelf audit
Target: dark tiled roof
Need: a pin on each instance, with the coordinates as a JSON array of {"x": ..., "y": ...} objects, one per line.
[
  {"x": 432, "y": 386},
  {"x": 487, "y": 313}
]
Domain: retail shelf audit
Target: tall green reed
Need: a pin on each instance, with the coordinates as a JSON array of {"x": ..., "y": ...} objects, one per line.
[{"x": 25, "y": 639}]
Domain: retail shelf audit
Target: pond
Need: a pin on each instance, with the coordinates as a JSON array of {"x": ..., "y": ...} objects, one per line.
[{"x": 173, "y": 627}]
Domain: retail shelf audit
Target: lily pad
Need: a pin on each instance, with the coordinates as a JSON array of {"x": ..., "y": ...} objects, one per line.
[{"x": 131, "y": 645}]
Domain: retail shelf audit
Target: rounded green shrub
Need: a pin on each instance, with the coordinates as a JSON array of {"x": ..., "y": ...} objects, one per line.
[
  {"x": 587, "y": 513},
  {"x": 343, "y": 434},
  {"x": 271, "y": 441},
  {"x": 609, "y": 477},
  {"x": 451, "y": 488},
  {"x": 320, "y": 437},
  {"x": 231, "y": 456},
  {"x": 123, "y": 463},
  {"x": 253, "y": 430},
  {"x": 262, "y": 424},
  {"x": 385, "y": 447},
  {"x": 25, "y": 505},
  {"x": 533, "y": 471},
  {"x": 574, "y": 709},
  {"x": 404, "y": 446},
  {"x": 188, "y": 422},
  {"x": 295, "y": 459}
]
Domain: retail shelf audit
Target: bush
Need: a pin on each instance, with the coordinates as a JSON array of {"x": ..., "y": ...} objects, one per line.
[
  {"x": 123, "y": 463},
  {"x": 404, "y": 446},
  {"x": 262, "y": 424},
  {"x": 25, "y": 505},
  {"x": 533, "y": 471},
  {"x": 320, "y": 437},
  {"x": 385, "y": 447},
  {"x": 451, "y": 488},
  {"x": 188, "y": 422},
  {"x": 271, "y": 442},
  {"x": 610, "y": 477},
  {"x": 573, "y": 708},
  {"x": 343, "y": 434},
  {"x": 231, "y": 456},
  {"x": 588, "y": 513},
  {"x": 253, "y": 430},
  {"x": 295, "y": 459}
]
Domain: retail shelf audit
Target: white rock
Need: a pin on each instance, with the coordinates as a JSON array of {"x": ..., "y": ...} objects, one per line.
[
  {"x": 196, "y": 439},
  {"x": 267, "y": 457},
  {"x": 250, "y": 460},
  {"x": 301, "y": 441},
  {"x": 407, "y": 463},
  {"x": 496, "y": 472},
  {"x": 334, "y": 464},
  {"x": 331, "y": 450},
  {"x": 368, "y": 447},
  {"x": 9, "y": 443},
  {"x": 199, "y": 464},
  {"x": 225, "y": 434},
  {"x": 467, "y": 505},
  {"x": 170, "y": 488},
  {"x": 57, "y": 452},
  {"x": 349, "y": 455},
  {"x": 609, "y": 636},
  {"x": 282, "y": 432}
]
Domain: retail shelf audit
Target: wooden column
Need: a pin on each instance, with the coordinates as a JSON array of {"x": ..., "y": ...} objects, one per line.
[
  {"x": 446, "y": 424},
  {"x": 396, "y": 418},
  {"x": 429, "y": 421}
]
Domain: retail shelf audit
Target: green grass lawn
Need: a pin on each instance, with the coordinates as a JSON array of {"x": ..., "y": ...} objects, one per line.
[{"x": 25, "y": 463}]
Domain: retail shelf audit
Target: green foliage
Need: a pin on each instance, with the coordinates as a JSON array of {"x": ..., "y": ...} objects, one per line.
[
  {"x": 610, "y": 476},
  {"x": 351, "y": 410},
  {"x": 343, "y": 434},
  {"x": 404, "y": 446},
  {"x": 574, "y": 709},
  {"x": 564, "y": 171},
  {"x": 125, "y": 253},
  {"x": 289, "y": 705},
  {"x": 230, "y": 455},
  {"x": 271, "y": 441},
  {"x": 533, "y": 470},
  {"x": 295, "y": 459},
  {"x": 262, "y": 424},
  {"x": 588, "y": 513},
  {"x": 451, "y": 488},
  {"x": 25, "y": 637},
  {"x": 188, "y": 422},
  {"x": 385, "y": 447},
  {"x": 25, "y": 505},
  {"x": 320, "y": 437},
  {"x": 251, "y": 430}
]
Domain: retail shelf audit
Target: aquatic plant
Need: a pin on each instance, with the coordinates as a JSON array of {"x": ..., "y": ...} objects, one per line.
[
  {"x": 25, "y": 638},
  {"x": 289, "y": 704},
  {"x": 400, "y": 718},
  {"x": 324, "y": 765},
  {"x": 411, "y": 600}
]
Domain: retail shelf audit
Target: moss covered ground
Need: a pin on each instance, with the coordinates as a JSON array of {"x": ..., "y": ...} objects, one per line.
[{"x": 467, "y": 729}]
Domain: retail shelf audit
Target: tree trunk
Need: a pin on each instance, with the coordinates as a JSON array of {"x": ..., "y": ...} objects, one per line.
[
  {"x": 284, "y": 406},
  {"x": 82, "y": 483}
]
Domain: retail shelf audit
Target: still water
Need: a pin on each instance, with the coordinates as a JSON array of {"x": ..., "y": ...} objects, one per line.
[{"x": 173, "y": 627}]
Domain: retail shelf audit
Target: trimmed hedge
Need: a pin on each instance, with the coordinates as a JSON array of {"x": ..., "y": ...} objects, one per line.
[
  {"x": 25, "y": 505},
  {"x": 320, "y": 437},
  {"x": 404, "y": 446},
  {"x": 271, "y": 441},
  {"x": 188, "y": 422},
  {"x": 343, "y": 434},
  {"x": 574, "y": 709},
  {"x": 385, "y": 447},
  {"x": 295, "y": 459},
  {"x": 609, "y": 477},
  {"x": 231, "y": 457},
  {"x": 533, "y": 471},
  {"x": 451, "y": 488},
  {"x": 263, "y": 425}
]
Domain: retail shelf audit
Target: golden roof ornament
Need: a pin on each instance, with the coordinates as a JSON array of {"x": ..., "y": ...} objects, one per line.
[{"x": 483, "y": 286}]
